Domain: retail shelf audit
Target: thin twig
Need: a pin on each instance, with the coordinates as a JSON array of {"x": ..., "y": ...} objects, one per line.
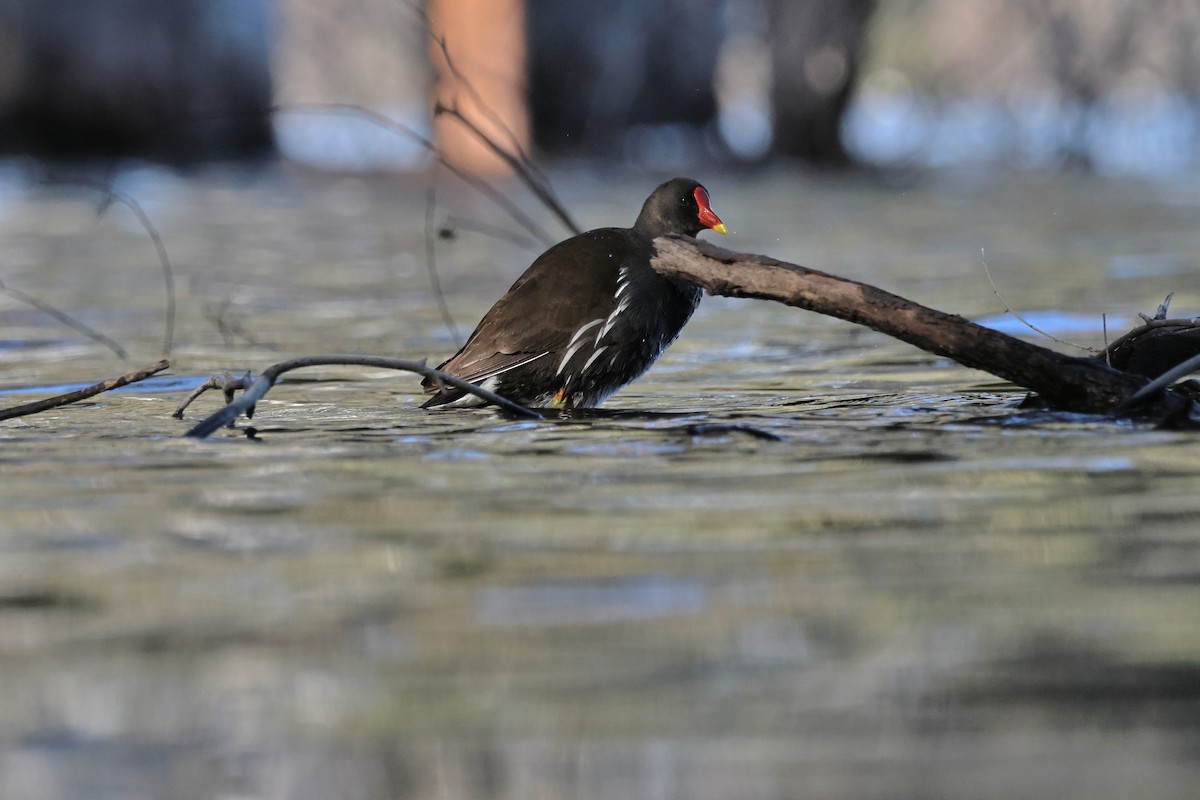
[
  {"x": 489, "y": 113},
  {"x": 517, "y": 165},
  {"x": 258, "y": 389},
  {"x": 383, "y": 121},
  {"x": 82, "y": 394},
  {"x": 435, "y": 283},
  {"x": 484, "y": 108},
  {"x": 164, "y": 260},
  {"x": 228, "y": 328},
  {"x": 530, "y": 172},
  {"x": 65, "y": 319},
  {"x": 1027, "y": 323},
  {"x": 452, "y": 224},
  {"x": 516, "y": 158}
]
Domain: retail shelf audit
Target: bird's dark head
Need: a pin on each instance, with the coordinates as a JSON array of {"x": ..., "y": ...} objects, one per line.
[{"x": 678, "y": 206}]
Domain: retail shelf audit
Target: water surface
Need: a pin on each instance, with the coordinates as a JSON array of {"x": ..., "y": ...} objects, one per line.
[{"x": 795, "y": 560}]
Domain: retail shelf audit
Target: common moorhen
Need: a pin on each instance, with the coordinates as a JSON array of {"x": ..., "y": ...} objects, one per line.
[{"x": 588, "y": 316}]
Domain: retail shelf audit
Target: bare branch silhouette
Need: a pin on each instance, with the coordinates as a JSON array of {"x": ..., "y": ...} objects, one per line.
[
  {"x": 453, "y": 224},
  {"x": 65, "y": 318},
  {"x": 512, "y": 153},
  {"x": 483, "y": 187},
  {"x": 535, "y": 174},
  {"x": 111, "y": 195},
  {"x": 26, "y": 409},
  {"x": 435, "y": 283},
  {"x": 230, "y": 329},
  {"x": 225, "y": 382},
  {"x": 1022, "y": 320},
  {"x": 541, "y": 191}
]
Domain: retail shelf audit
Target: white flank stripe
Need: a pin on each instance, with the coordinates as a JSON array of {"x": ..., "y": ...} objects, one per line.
[
  {"x": 612, "y": 319},
  {"x": 562, "y": 364},
  {"x": 622, "y": 282},
  {"x": 579, "y": 333},
  {"x": 592, "y": 358}
]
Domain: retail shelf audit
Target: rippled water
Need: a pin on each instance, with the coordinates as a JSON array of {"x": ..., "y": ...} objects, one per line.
[{"x": 795, "y": 560}]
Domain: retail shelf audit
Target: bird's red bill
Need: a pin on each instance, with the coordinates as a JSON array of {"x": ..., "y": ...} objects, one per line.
[{"x": 708, "y": 218}]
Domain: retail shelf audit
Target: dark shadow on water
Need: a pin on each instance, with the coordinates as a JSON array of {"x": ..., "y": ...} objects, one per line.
[{"x": 1057, "y": 675}]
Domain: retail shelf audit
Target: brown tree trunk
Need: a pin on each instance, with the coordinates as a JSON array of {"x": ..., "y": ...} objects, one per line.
[
  {"x": 816, "y": 49},
  {"x": 598, "y": 70}
]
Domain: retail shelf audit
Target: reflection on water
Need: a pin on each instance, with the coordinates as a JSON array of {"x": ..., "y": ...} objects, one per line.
[
  {"x": 795, "y": 560},
  {"x": 611, "y": 601}
]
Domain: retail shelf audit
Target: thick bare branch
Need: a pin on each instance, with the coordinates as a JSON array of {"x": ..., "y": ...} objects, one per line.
[{"x": 1066, "y": 382}]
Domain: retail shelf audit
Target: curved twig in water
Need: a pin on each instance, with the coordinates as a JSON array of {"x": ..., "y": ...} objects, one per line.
[{"x": 259, "y": 387}]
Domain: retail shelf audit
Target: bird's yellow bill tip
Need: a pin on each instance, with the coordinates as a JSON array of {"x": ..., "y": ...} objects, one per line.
[{"x": 720, "y": 228}]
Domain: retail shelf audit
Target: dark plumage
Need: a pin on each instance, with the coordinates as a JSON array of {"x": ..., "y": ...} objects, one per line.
[{"x": 588, "y": 316}]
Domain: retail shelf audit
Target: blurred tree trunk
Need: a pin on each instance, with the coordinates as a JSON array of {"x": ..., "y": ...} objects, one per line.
[
  {"x": 184, "y": 80},
  {"x": 817, "y": 47},
  {"x": 484, "y": 79},
  {"x": 596, "y": 70}
]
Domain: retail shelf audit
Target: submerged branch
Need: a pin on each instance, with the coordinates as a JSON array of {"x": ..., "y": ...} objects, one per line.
[
  {"x": 26, "y": 409},
  {"x": 1066, "y": 382},
  {"x": 259, "y": 387}
]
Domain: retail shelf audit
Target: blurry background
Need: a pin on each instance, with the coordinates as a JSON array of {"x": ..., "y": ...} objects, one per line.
[{"x": 1098, "y": 84}]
